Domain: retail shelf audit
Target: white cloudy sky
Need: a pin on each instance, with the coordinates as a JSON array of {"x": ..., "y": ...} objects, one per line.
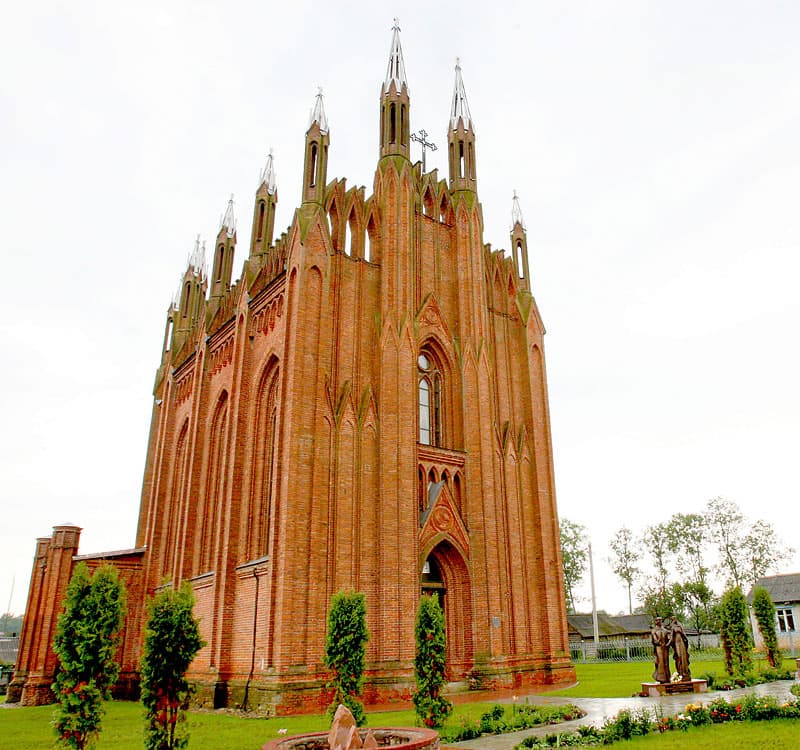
[{"x": 654, "y": 146}]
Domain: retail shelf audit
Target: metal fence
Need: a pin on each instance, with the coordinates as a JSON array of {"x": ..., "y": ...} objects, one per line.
[
  {"x": 702, "y": 648},
  {"x": 8, "y": 650}
]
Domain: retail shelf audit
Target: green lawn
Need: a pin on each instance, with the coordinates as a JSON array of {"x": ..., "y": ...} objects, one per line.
[
  {"x": 780, "y": 734},
  {"x": 29, "y": 728},
  {"x": 622, "y": 679}
]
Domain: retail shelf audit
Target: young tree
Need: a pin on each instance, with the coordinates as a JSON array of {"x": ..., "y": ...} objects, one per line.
[
  {"x": 573, "y": 557},
  {"x": 658, "y": 602},
  {"x": 734, "y": 633},
  {"x": 171, "y": 641},
  {"x": 429, "y": 664},
  {"x": 344, "y": 650},
  {"x": 687, "y": 536},
  {"x": 623, "y": 562},
  {"x": 764, "y": 610},
  {"x": 762, "y": 550},
  {"x": 656, "y": 542},
  {"x": 725, "y": 523},
  {"x": 86, "y": 641}
]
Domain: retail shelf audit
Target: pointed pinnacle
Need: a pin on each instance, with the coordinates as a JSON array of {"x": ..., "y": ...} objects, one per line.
[
  {"x": 396, "y": 69},
  {"x": 267, "y": 176},
  {"x": 228, "y": 221},
  {"x": 516, "y": 213},
  {"x": 460, "y": 108},
  {"x": 318, "y": 113}
]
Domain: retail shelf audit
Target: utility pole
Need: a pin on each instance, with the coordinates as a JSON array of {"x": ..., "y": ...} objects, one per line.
[{"x": 594, "y": 600}]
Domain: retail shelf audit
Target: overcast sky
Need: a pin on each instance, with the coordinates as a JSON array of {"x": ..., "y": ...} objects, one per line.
[{"x": 654, "y": 146}]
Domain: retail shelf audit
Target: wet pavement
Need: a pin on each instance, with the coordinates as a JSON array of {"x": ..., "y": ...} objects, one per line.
[{"x": 599, "y": 709}]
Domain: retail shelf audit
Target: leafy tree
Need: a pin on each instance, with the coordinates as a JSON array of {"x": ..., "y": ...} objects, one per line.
[
  {"x": 573, "y": 557},
  {"x": 762, "y": 550},
  {"x": 623, "y": 562},
  {"x": 429, "y": 664},
  {"x": 656, "y": 540},
  {"x": 171, "y": 641},
  {"x": 687, "y": 536},
  {"x": 86, "y": 641},
  {"x": 746, "y": 551},
  {"x": 11, "y": 624},
  {"x": 658, "y": 602},
  {"x": 344, "y": 650},
  {"x": 699, "y": 603},
  {"x": 734, "y": 633},
  {"x": 764, "y": 611}
]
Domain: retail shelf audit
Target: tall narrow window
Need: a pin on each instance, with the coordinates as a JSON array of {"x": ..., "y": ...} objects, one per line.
[
  {"x": 312, "y": 178},
  {"x": 168, "y": 336},
  {"x": 461, "y": 158},
  {"x": 430, "y": 401},
  {"x": 368, "y": 238},
  {"x": 520, "y": 267},
  {"x": 187, "y": 288},
  {"x": 392, "y": 123},
  {"x": 220, "y": 258},
  {"x": 261, "y": 209},
  {"x": 424, "y": 411}
]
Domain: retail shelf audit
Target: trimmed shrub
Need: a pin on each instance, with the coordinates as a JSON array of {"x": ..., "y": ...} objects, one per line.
[
  {"x": 345, "y": 648},
  {"x": 431, "y": 706},
  {"x": 171, "y": 641},
  {"x": 764, "y": 610},
  {"x": 86, "y": 642}
]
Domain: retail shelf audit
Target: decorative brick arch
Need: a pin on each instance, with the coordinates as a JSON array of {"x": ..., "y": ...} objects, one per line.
[{"x": 455, "y": 595}]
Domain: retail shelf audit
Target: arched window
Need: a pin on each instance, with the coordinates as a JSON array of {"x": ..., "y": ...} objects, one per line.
[
  {"x": 261, "y": 210},
  {"x": 215, "y": 483},
  {"x": 265, "y": 446},
  {"x": 429, "y": 400},
  {"x": 312, "y": 177},
  {"x": 220, "y": 259}
]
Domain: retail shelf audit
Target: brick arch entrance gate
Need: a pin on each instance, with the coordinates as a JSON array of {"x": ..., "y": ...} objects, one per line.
[{"x": 446, "y": 575}]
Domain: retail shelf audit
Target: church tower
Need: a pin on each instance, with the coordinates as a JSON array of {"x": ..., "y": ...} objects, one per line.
[{"x": 364, "y": 408}]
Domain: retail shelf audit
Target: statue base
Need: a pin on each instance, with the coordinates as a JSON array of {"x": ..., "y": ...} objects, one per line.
[{"x": 655, "y": 689}]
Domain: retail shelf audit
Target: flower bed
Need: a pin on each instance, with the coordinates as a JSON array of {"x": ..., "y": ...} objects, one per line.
[
  {"x": 627, "y": 724},
  {"x": 500, "y": 720}
]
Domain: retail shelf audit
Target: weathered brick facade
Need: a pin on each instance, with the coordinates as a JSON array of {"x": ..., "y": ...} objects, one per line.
[{"x": 366, "y": 408}]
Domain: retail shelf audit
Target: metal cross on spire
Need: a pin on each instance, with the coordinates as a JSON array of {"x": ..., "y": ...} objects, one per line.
[{"x": 422, "y": 139}]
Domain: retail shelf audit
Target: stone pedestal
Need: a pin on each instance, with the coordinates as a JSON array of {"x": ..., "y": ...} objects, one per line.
[{"x": 654, "y": 689}]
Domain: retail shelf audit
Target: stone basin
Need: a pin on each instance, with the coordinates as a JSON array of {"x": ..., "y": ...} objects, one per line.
[{"x": 409, "y": 738}]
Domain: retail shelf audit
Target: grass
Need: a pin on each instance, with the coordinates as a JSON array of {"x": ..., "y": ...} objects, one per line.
[
  {"x": 622, "y": 679},
  {"x": 29, "y": 728},
  {"x": 780, "y": 734}
]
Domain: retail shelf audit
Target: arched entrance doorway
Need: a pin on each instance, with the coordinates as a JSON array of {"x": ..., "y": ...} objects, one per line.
[{"x": 445, "y": 575}]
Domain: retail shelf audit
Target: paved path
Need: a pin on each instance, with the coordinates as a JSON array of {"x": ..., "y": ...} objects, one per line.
[{"x": 598, "y": 709}]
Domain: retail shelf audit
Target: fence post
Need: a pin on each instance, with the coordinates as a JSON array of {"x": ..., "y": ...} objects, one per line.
[{"x": 627, "y": 649}]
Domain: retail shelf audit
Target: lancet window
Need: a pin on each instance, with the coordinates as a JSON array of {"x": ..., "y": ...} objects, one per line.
[{"x": 429, "y": 391}]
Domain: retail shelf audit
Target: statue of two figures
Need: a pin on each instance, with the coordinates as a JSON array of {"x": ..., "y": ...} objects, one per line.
[{"x": 665, "y": 637}]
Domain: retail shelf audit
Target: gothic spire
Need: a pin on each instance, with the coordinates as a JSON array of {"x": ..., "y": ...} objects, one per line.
[
  {"x": 318, "y": 114},
  {"x": 267, "y": 176},
  {"x": 519, "y": 245},
  {"x": 516, "y": 213},
  {"x": 460, "y": 108},
  {"x": 197, "y": 259},
  {"x": 396, "y": 69},
  {"x": 228, "y": 222}
]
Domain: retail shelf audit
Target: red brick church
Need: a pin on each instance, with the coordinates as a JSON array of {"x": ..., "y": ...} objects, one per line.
[{"x": 364, "y": 408}]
